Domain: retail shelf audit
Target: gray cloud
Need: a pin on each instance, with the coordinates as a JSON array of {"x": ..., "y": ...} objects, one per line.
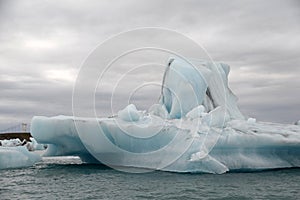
[{"x": 42, "y": 40}]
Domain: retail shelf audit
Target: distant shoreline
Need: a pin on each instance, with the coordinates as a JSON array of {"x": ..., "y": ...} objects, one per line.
[{"x": 22, "y": 136}]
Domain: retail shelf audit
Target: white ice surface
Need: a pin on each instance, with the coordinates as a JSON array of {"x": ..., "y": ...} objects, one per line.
[
  {"x": 251, "y": 120},
  {"x": 11, "y": 142},
  {"x": 239, "y": 146}
]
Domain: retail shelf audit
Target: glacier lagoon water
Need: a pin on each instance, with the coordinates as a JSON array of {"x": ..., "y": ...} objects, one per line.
[{"x": 61, "y": 178}]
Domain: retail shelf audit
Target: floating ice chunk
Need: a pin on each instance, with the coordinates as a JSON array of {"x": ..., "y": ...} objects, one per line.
[
  {"x": 17, "y": 157},
  {"x": 129, "y": 114},
  {"x": 196, "y": 112},
  {"x": 297, "y": 123},
  {"x": 251, "y": 120}
]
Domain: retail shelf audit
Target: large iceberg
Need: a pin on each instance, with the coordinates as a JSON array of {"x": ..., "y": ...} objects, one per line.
[{"x": 195, "y": 127}]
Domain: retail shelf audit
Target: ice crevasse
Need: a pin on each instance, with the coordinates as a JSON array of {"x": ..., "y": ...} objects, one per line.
[{"x": 195, "y": 127}]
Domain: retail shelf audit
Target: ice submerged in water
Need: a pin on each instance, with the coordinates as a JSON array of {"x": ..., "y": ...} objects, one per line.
[{"x": 195, "y": 127}]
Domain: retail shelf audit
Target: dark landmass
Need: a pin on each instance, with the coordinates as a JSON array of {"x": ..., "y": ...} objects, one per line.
[{"x": 21, "y": 136}]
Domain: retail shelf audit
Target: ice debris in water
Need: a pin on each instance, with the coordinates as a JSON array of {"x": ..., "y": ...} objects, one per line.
[{"x": 195, "y": 127}]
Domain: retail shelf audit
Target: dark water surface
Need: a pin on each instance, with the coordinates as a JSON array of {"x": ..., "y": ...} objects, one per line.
[{"x": 69, "y": 179}]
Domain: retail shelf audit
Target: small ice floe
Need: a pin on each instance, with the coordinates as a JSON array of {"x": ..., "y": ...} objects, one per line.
[{"x": 17, "y": 157}]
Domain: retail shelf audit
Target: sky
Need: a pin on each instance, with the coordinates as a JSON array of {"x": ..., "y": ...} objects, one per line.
[{"x": 43, "y": 44}]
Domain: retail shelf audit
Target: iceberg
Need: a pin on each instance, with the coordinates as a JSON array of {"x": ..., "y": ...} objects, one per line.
[
  {"x": 15, "y": 153},
  {"x": 17, "y": 157},
  {"x": 195, "y": 127}
]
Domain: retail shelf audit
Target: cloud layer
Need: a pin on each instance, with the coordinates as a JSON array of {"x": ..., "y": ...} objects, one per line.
[{"x": 43, "y": 44}]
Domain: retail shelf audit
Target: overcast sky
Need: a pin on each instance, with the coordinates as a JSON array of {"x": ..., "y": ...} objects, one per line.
[{"x": 43, "y": 43}]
